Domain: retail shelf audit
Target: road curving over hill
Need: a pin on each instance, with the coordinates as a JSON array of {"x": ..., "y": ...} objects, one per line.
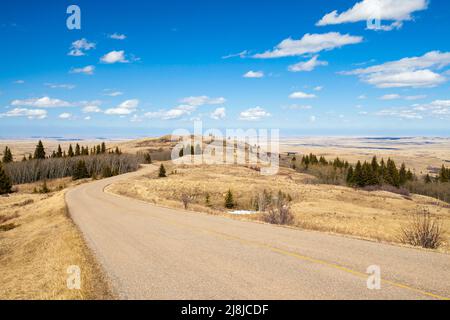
[{"x": 150, "y": 252}]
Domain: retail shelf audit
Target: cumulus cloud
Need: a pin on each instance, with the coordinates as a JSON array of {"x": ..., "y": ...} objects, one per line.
[
  {"x": 88, "y": 70},
  {"x": 437, "y": 108},
  {"x": 125, "y": 108},
  {"x": 310, "y": 43},
  {"x": 390, "y": 10},
  {"x": 118, "y": 36},
  {"x": 218, "y": 114},
  {"x": 254, "y": 74},
  {"x": 113, "y": 93},
  {"x": 60, "y": 86},
  {"x": 44, "y": 102},
  {"x": 309, "y": 65},
  {"x": 301, "y": 95},
  {"x": 198, "y": 101},
  {"x": 24, "y": 112},
  {"x": 65, "y": 116},
  {"x": 254, "y": 114},
  {"x": 413, "y": 72},
  {"x": 19, "y": 82},
  {"x": 80, "y": 47},
  {"x": 91, "y": 109},
  {"x": 171, "y": 114},
  {"x": 114, "y": 57},
  {"x": 390, "y": 96}
]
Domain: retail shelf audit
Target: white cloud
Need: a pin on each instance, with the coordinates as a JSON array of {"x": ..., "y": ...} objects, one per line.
[
  {"x": 91, "y": 109},
  {"x": 437, "y": 108},
  {"x": 390, "y": 10},
  {"x": 88, "y": 70},
  {"x": 299, "y": 107},
  {"x": 390, "y": 96},
  {"x": 19, "y": 82},
  {"x": 114, "y": 93},
  {"x": 254, "y": 74},
  {"x": 60, "y": 86},
  {"x": 171, "y": 114},
  {"x": 114, "y": 57},
  {"x": 312, "y": 119},
  {"x": 418, "y": 97},
  {"x": 118, "y": 36},
  {"x": 362, "y": 97},
  {"x": 79, "y": 47},
  {"x": 241, "y": 54},
  {"x": 318, "y": 88},
  {"x": 65, "y": 116},
  {"x": 407, "y": 72},
  {"x": 254, "y": 114},
  {"x": 307, "y": 65},
  {"x": 126, "y": 107},
  {"x": 310, "y": 43},
  {"x": 87, "y": 118},
  {"x": 23, "y": 112},
  {"x": 218, "y": 114},
  {"x": 301, "y": 95},
  {"x": 44, "y": 102},
  {"x": 198, "y": 101}
]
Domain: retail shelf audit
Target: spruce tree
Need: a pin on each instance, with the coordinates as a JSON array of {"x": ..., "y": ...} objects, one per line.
[
  {"x": 80, "y": 171},
  {"x": 192, "y": 150},
  {"x": 427, "y": 178},
  {"x": 402, "y": 175},
  {"x": 181, "y": 153},
  {"x": 59, "y": 153},
  {"x": 358, "y": 175},
  {"x": 77, "y": 150},
  {"x": 70, "y": 152},
  {"x": 392, "y": 174},
  {"x": 98, "y": 149},
  {"x": 5, "y": 181},
  {"x": 162, "y": 171},
  {"x": 39, "y": 152},
  {"x": 350, "y": 177},
  {"x": 7, "y": 155},
  {"x": 444, "y": 174},
  {"x": 229, "y": 201},
  {"x": 103, "y": 148}
]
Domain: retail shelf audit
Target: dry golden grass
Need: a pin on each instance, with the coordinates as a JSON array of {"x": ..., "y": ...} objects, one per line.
[
  {"x": 35, "y": 254},
  {"x": 376, "y": 215}
]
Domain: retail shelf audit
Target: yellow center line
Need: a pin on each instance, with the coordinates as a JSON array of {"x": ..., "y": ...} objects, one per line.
[{"x": 294, "y": 254}]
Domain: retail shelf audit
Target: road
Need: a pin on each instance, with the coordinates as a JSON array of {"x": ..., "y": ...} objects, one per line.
[{"x": 150, "y": 252}]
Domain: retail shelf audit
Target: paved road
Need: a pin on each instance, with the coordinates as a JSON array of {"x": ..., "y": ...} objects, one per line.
[{"x": 150, "y": 252}]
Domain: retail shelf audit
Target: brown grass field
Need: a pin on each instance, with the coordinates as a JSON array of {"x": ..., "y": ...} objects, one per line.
[
  {"x": 377, "y": 215},
  {"x": 42, "y": 244}
]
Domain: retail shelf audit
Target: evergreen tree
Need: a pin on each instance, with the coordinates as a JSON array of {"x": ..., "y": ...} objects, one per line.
[
  {"x": 350, "y": 177},
  {"x": 358, "y": 177},
  {"x": 103, "y": 147},
  {"x": 80, "y": 171},
  {"x": 107, "y": 172},
  {"x": 162, "y": 171},
  {"x": 70, "y": 153},
  {"x": 375, "y": 165},
  {"x": 402, "y": 175},
  {"x": 39, "y": 152},
  {"x": 392, "y": 174},
  {"x": 118, "y": 151},
  {"x": 192, "y": 150},
  {"x": 59, "y": 153},
  {"x": 77, "y": 150},
  {"x": 229, "y": 201},
  {"x": 7, "y": 155},
  {"x": 148, "y": 158},
  {"x": 444, "y": 174},
  {"x": 5, "y": 181},
  {"x": 24, "y": 158},
  {"x": 427, "y": 178},
  {"x": 181, "y": 153},
  {"x": 98, "y": 149}
]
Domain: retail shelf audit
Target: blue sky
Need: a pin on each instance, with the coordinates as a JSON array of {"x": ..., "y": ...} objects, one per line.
[{"x": 146, "y": 68}]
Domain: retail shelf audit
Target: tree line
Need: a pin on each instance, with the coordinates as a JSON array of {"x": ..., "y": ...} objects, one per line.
[{"x": 78, "y": 162}]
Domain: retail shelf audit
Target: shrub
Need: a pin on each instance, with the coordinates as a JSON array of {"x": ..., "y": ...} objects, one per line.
[
  {"x": 186, "y": 199},
  {"x": 423, "y": 231},
  {"x": 280, "y": 212}
]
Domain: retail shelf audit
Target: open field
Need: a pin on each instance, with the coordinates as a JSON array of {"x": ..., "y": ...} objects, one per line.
[
  {"x": 38, "y": 242},
  {"x": 419, "y": 153},
  {"x": 375, "y": 215}
]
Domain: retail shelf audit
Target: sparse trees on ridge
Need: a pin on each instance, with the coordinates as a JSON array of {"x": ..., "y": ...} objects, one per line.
[{"x": 7, "y": 155}]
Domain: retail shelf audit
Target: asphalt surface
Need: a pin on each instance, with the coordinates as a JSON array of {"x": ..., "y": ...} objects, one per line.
[{"x": 150, "y": 252}]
